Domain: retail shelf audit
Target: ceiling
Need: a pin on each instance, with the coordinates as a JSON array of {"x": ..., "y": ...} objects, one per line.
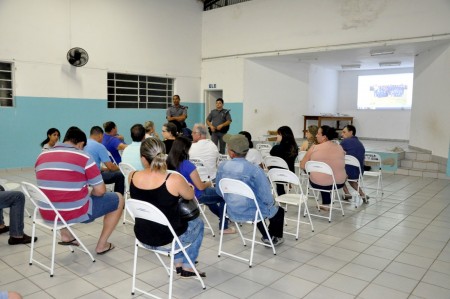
[{"x": 335, "y": 59}]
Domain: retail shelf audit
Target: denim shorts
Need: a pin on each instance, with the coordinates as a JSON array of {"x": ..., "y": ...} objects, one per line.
[
  {"x": 3, "y": 294},
  {"x": 102, "y": 205}
]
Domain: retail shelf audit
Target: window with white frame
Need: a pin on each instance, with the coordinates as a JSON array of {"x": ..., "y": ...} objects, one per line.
[
  {"x": 6, "y": 85},
  {"x": 139, "y": 91}
]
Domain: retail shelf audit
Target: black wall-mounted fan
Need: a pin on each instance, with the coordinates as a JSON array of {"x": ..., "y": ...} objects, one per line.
[{"x": 77, "y": 57}]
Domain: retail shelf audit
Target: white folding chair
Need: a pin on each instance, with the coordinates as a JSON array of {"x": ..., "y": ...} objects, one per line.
[
  {"x": 144, "y": 210},
  {"x": 264, "y": 152},
  {"x": 374, "y": 160},
  {"x": 261, "y": 146},
  {"x": 234, "y": 191},
  {"x": 352, "y": 161},
  {"x": 294, "y": 197},
  {"x": 275, "y": 162},
  {"x": 41, "y": 202},
  {"x": 202, "y": 206},
  {"x": 204, "y": 172},
  {"x": 222, "y": 158},
  {"x": 126, "y": 169},
  {"x": 321, "y": 167},
  {"x": 110, "y": 187},
  {"x": 302, "y": 174}
]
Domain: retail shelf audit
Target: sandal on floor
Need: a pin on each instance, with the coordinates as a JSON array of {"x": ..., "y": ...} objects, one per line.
[
  {"x": 111, "y": 247},
  {"x": 191, "y": 274},
  {"x": 69, "y": 243},
  {"x": 346, "y": 196}
]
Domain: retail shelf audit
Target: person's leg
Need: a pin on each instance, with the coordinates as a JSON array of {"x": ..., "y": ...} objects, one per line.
[
  {"x": 194, "y": 236},
  {"x": 215, "y": 203},
  {"x": 277, "y": 223},
  {"x": 355, "y": 186},
  {"x": 116, "y": 178},
  {"x": 15, "y": 200},
  {"x": 111, "y": 206},
  {"x": 221, "y": 143},
  {"x": 214, "y": 138},
  {"x": 326, "y": 198}
]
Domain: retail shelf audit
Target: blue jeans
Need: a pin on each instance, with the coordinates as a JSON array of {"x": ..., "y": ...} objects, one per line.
[
  {"x": 215, "y": 203},
  {"x": 15, "y": 201},
  {"x": 194, "y": 236}
]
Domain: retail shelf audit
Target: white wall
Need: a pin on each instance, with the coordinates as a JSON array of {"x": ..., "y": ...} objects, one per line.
[
  {"x": 274, "y": 98},
  {"x": 148, "y": 37},
  {"x": 384, "y": 124},
  {"x": 430, "y": 119}
]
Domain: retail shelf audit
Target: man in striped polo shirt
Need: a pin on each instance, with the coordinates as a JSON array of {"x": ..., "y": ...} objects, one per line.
[{"x": 64, "y": 173}]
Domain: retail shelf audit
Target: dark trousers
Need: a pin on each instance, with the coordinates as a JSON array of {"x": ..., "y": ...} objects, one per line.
[
  {"x": 326, "y": 196},
  {"x": 116, "y": 178},
  {"x": 276, "y": 224}
]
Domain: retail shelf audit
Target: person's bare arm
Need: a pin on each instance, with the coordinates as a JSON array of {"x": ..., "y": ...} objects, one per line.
[
  {"x": 177, "y": 185},
  {"x": 195, "y": 177},
  {"x": 111, "y": 166},
  {"x": 122, "y": 146},
  {"x": 98, "y": 190}
]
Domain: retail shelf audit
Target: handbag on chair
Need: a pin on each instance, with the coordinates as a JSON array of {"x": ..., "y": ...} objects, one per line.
[{"x": 188, "y": 209}]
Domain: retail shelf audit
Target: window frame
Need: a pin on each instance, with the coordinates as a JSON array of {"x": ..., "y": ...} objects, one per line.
[{"x": 4, "y": 88}]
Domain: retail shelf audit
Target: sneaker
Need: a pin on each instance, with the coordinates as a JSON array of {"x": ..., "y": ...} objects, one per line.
[
  {"x": 24, "y": 240},
  {"x": 277, "y": 241},
  {"x": 365, "y": 198},
  {"x": 265, "y": 241}
]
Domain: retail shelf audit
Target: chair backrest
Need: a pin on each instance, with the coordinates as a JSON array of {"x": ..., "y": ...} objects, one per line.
[
  {"x": 264, "y": 152},
  {"x": 284, "y": 176},
  {"x": 126, "y": 169},
  {"x": 204, "y": 172},
  {"x": 222, "y": 158},
  {"x": 145, "y": 210},
  {"x": 41, "y": 201},
  {"x": 261, "y": 146},
  {"x": 301, "y": 155},
  {"x": 373, "y": 158},
  {"x": 236, "y": 187},
  {"x": 112, "y": 158},
  {"x": 352, "y": 161},
  {"x": 270, "y": 161},
  {"x": 316, "y": 166}
]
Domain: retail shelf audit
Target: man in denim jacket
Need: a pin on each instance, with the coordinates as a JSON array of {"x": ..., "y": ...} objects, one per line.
[{"x": 239, "y": 168}]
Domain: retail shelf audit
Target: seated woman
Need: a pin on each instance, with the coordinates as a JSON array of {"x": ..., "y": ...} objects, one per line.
[
  {"x": 310, "y": 138},
  {"x": 253, "y": 155},
  {"x": 156, "y": 186},
  {"x": 169, "y": 133},
  {"x": 53, "y": 136},
  {"x": 286, "y": 149},
  {"x": 332, "y": 154},
  {"x": 178, "y": 160},
  {"x": 149, "y": 127}
]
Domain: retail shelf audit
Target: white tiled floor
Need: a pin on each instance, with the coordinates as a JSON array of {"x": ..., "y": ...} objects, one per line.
[{"x": 397, "y": 247}]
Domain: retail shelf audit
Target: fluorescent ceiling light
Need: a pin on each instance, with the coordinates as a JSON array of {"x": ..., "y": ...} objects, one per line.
[
  {"x": 391, "y": 63},
  {"x": 381, "y": 52},
  {"x": 351, "y": 66}
]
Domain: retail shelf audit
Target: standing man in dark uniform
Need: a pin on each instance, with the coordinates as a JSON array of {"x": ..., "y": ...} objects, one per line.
[
  {"x": 177, "y": 112},
  {"x": 218, "y": 122}
]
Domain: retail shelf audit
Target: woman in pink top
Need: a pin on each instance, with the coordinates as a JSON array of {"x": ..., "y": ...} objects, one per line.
[{"x": 332, "y": 154}]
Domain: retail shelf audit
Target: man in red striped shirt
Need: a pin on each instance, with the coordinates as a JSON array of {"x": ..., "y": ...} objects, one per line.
[{"x": 64, "y": 174}]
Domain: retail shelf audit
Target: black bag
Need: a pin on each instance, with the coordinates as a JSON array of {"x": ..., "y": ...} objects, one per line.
[{"x": 188, "y": 209}]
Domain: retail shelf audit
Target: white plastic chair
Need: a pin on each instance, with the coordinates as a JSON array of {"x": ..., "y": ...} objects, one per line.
[
  {"x": 126, "y": 169},
  {"x": 245, "y": 193},
  {"x": 275, "y": 162},
  {"x": 147, "y": 211},
  {"x": 204, "y": 172},
  {"x": 302, "y": 174},
  {"x": 321, "y": 167},
  {"x": 202, "y": 206},
  {"x": 41, "y": 202},
  {"x": 222, "y": 158},
  {"x": 261, "y": 146},
  {"x": 264, "y": 152},
  {"x": 352, "y": 161},
  {"x": 374, "y": 160},
  {"x": 294, "y": 197}
]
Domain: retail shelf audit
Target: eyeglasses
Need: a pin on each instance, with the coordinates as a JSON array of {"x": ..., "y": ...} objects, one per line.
[{"x": 196, "y": 132}]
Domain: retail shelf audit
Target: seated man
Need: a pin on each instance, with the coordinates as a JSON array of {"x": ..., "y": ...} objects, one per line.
[
  {"x": 15, "y": 200},
  {"x": 132, "y": 153},
  {"x": 64, "y": 174},
  {"x": 204, "y": 149},
  {"x": 352, "y": 146},
  {"x": 113, "y": 141},
  {"x": 239, "y": 168},
  {"x": 111, "y": 173}
]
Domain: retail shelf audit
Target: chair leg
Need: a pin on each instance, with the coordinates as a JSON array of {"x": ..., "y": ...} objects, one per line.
[{"x": 133, "y": 284}]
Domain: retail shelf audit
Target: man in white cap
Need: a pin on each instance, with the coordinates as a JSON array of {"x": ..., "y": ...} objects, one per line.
[{"x": 239, "y": 168}]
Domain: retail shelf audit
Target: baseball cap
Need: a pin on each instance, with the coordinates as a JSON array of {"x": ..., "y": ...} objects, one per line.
[{"x": 237, "y": 143}]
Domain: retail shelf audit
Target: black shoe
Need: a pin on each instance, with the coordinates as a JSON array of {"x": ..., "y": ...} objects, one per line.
[
  {"x": 365, "y": 199},
  {"x": 4, "y": 229},
  {"x": 179, "y": 270},
  {"x": 24, "y": 240},
  {"x": 191, "y": 274}
]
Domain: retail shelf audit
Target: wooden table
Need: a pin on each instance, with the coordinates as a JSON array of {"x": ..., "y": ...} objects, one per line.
[{"x": 320, "y": 118}]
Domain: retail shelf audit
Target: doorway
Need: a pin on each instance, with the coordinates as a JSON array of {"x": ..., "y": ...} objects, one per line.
[{"x": 211, "y": 95}]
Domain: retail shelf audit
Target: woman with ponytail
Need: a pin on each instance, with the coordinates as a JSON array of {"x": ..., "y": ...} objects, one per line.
[
  {"x": 155, "y": 185},
  {"x": 53, "y": 136}
]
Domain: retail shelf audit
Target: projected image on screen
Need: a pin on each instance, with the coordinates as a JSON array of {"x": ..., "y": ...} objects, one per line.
[{"x": 393, "y": 91}]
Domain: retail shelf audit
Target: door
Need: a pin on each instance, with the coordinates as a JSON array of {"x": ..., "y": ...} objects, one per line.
[{"x": 211, "y": 95}]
